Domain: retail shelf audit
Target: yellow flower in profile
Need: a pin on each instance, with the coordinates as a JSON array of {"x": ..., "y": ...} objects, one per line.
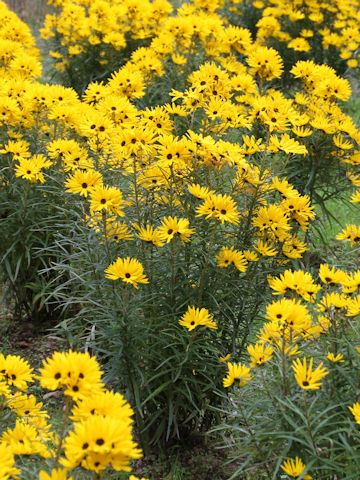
[
  {"x": 355, "y": 197},
  {"x": 355, "y": 410},
  {"x": 237, "y": 371},
  {"x": 227, "y": 256},
  {"x": 331, "y": 276},
  {"x": 335, "y": 358},
  {"x": 195, "y": 317},
  {"x": 198, "y": 191},
  {"x": 149, "y": 234},
  {"x": 128, "y": 269},
  {"x": 294, "y": 468},
  {"x": 266, "y": 248},
  {"x": 306, "y": 377},
  {"x": 298, "y": 281}
]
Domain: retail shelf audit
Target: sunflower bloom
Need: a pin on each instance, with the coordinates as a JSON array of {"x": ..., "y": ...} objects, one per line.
[
  {"x": 195, "y": 317},
  {"x": 56, "y": 474},
  {"x": 355, "y": 410},
  {"x": 99, "y": 441},
  {"x": 128, "y": 269},
  {"x": 221, "y": 207},
  {"x": 237, "y": 371},
  {"x": 306, "y": 377},
  {"x": 294, "y": 468}
]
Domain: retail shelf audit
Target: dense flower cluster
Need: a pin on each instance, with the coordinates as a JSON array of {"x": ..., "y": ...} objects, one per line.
[
  {"x": 175, "y": 175},
  {"x": 332, "y": 308},
  {"x": 100, "y": 435}
]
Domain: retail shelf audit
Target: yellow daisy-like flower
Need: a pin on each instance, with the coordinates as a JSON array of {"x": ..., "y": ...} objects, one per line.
[
  {"x": 199, "y": 192},
  {"x": 195, "y": 317},
  {"x": 221, "y": 207},
  {"x": 355, "y": 410},
  {"x": 104, "y": 198},
  {"x": 149, "y": 234},
  {"x": 77, "y": 372},
  {"x": 98, "y": 442},
  {"x": 259, "y": 353},
  {"x": 335, "y": 358},
  {"x": 170, "y": 226},
  {"x": 128, "y": 269},
  {"x": 306, "y": 377},
  {"x": 227, "y": 256},
  {"x": 294, "y": 468},
  {"x": 355, "y": 197},
  {"x": 83, "y": 181},
  {"x": 266, "y": 248},
  {"x": 56, "y": 474},
  {"x": 16, "y": 371},
  {"x": 7, "y": 464},
  {"x": 237, "y": 371}
]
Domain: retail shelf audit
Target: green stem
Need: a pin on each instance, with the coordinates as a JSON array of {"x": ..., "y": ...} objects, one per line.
[
  {"x": 204, "y": 271},
  {"x": 283, "y": 365},
  {"x": 308, "y": 423},
  {"x": 62, "y": 429}
]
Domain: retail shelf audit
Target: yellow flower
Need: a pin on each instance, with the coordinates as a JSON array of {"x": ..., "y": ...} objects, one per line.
[
  {"x": 171, "y": 226},
  {"x": 335, "y": 358},
  {"x": 306, "y": 377},
  {"x": 56, "y": 474},
  {"x": 99, "y": 441},
  {"x": 224, "y": 359},
  {"x": 237, "y": 371},
  {"x": 227, "y": 256},
  {"x": 16, "y": 371},
  {"x": 259, "y": 353},
  {"x": 355, "y": 410},
  {"x": 221, "y": 207},
  {"x": 294, "y": 468},
  {"x": 7, "y": 464},
  {"x": 195, "y": 317},
  {"x": 129, "y": 270}
]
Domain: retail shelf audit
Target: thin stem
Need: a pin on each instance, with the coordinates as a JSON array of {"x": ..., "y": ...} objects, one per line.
[
  {"x": 283, "y": 366},
  {"x": 308, "y": 423},
  {"x": 62, "y": 429},
  {"x": 204, "y": 271}
]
